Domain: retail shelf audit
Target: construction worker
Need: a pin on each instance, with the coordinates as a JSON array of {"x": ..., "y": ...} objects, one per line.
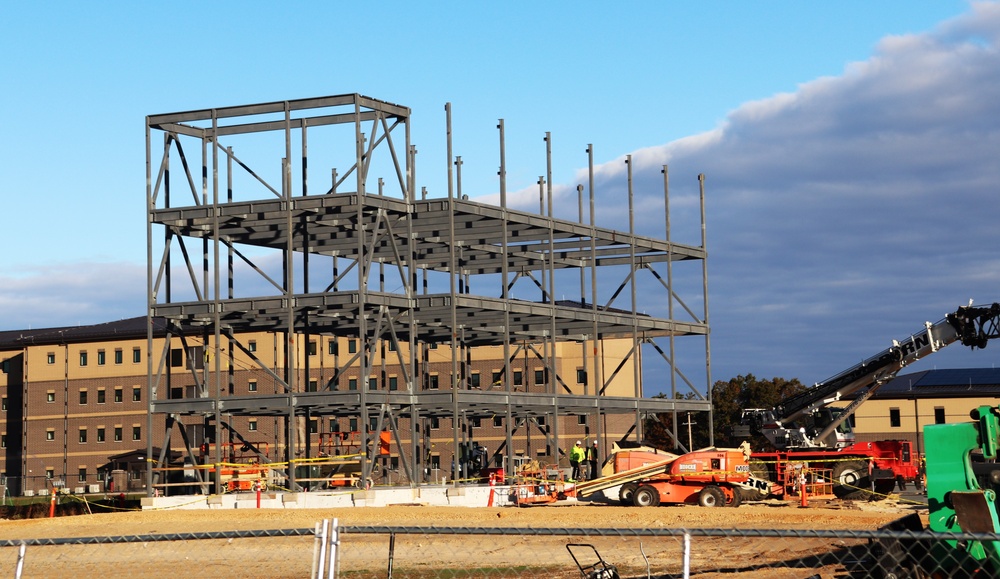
[
  {"x": 592, "y": 460},
  {"x": 576, "y": 456}
]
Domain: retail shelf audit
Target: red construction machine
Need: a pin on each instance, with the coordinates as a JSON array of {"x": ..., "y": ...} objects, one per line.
[{"x": 711, "y": 477}]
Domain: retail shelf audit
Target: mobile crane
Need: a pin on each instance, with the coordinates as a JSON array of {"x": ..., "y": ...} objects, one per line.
[{"x": 803, "y": 428}]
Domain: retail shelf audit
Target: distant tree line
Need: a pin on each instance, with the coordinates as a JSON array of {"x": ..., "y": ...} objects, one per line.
[{"x": 729, "y": 399}]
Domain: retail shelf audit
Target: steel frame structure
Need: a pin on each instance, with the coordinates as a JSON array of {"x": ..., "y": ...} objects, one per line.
[{"x": 454, "y": 240}]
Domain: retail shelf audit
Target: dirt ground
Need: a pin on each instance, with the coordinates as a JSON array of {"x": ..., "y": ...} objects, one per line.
[
  {"x": 771, "y": 515},
  {"x": 292, "y": 557}
]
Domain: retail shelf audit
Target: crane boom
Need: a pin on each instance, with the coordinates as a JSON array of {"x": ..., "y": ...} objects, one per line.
[{"x": 972, "y": 326}]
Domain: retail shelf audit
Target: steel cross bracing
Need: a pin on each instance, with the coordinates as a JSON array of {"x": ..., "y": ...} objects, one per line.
[{"x": 248, "y": 236}]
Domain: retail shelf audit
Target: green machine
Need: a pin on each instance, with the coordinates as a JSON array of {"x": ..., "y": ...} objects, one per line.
[{"x": 963, "y": 479}]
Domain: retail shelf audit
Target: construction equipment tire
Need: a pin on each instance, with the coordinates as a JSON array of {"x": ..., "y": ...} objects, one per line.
[
  {"x": 850, "y": 481},
  {"x": 737, "y": 497},
  {"x": 627, "y": 493},
  {"x": 711, "y": 496},
  {"x": 646, "y": 496}
]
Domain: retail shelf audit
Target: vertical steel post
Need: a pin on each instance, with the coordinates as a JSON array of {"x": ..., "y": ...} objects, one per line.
[
  {"x": 453, "y": 298},
  {"x": 504, "y": 267},
  {"x": 708, "y": 347},
  {"x": 632, "y": 285},
  {"x": 670, "y": 298}
]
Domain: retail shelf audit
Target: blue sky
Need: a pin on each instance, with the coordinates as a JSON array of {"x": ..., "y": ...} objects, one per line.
[{"x": 850, "y": 148}]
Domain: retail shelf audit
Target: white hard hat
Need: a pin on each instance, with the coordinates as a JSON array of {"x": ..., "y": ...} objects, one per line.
[{"x": 578, "y": 443}]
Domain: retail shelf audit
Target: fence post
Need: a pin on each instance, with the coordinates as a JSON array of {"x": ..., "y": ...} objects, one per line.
[
  {"x": 334, "y": 551},
  {"x": 20, "y": 561},
  {"x": 687, "y": 555},
  {"x": 319, "y": 549}
]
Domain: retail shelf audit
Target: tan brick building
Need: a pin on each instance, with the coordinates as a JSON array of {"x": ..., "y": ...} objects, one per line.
[{"x": 75, "y": 402}]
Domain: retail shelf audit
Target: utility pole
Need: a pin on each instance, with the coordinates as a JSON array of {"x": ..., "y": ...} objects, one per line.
[{"x": 689, "y": 423}]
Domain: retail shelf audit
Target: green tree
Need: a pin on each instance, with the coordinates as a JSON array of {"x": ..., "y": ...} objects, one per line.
[
  {"x": 658, "y": 429},
  {"x": 729, "y": 399}
]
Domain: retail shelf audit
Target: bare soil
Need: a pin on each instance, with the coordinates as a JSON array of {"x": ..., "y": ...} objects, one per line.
[{"x": 292, "y": 557}]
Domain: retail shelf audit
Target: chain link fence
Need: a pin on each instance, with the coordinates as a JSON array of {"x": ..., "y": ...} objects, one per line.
[{"x": 329, "y": 550}]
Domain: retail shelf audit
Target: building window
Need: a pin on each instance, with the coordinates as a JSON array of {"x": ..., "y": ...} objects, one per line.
[
  {"x": 136, "y": 355},
  {"x": 50, "y": 434},
  {"x": 252, "y": 345},
  {"x": 518, "y": 378},
  {"x": 497, "y": 378},
  {"x": 118, "y": 434},
  {"x": 3, "y": 403},
  {"x": 136, "y": 433},
  {"x": 352, "y": 384},
  {"x": 498, "y": 421},
  {"x": 50, "y": 358},
  {"x": 3, "y": 441},
  {"x": 83, "y": 436},
  {"x": 581, "y": 376},
  {"x": 539, "y": 377},
  {"x": 312, "y": 386},
  {"x": 435, "y": 423},
  {"x": 50, "y": 473},
  {"x": 252, "y": 386},
  {"x": 136, "y": 394},
  {"x": 100, "y": 434},
  {"x": 373, "y": 383},
  {"x": 352, "y": 346},
  {"x": 938, "y": 415},
  {"x": 581, "y": 419},
  {"x": 894, "y": 420},
  {"x": 82, "y": 475},
  {"x": 393, "y": 383},
  {"x": 540, "y": 420},
  {"x": 331, "y": 347},
  {"x": 101, "y": 360},
  {"x": 176, "y": 358},
  {"x": 476, "y": 422},
  {"x": 119, "y": 357},
  {"x": 83, "y": 358},
  {"x": 353, "y": 424},
  {"x": 432, "y": 381},
  {"x": 118, "y": 394},
  {"x": 50, "y": 396},
  {"x": 252, "y": 425},
  {"x": 83, "y": 396},
  {"x": 313, "y": 426},
  {"x": 101, "y": 396},
  {"x": 392, "y": 346},
  {"x": 311, "y": 348},
  {"x": 474, "y": 380}
]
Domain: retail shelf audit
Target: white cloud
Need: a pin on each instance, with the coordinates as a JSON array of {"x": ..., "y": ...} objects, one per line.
[
  {"x": 67, "y": 294},
  {"x": 842, "y": 215}
]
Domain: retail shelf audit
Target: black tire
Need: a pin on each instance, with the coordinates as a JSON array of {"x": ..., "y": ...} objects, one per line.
[
  {"x": 737, "y": 497},
  {"x": 646, "y": 496},
  {"x": 711, "y": 496},
  {"x": 626, "y": 493},
  {"x": 851, "y": 482},
  {"x": 759, "y": 471}
]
